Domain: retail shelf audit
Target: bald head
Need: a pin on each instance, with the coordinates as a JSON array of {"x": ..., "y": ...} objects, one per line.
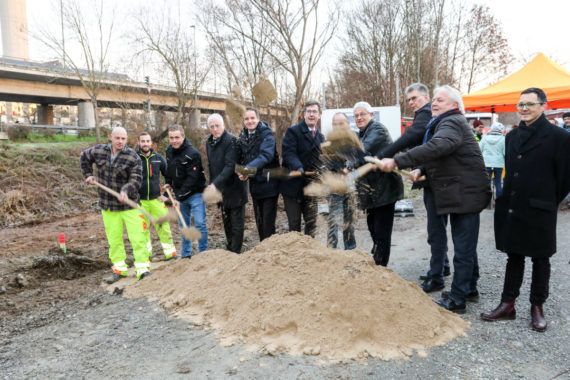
[{"x": 118, "y": 139}]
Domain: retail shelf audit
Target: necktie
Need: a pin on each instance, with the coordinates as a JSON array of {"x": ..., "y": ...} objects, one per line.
[{"x": 314, "y": 131}]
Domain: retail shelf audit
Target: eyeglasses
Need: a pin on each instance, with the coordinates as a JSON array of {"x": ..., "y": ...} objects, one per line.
[
  {"x": 359, "y": 115},
  {"x": 529, "y": 105},
  {"x": 412, "y": 99},
  {"x": 312, "y": 111}
]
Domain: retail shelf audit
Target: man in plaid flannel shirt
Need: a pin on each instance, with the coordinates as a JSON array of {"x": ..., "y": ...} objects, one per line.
[{"x": 119, "y": 168}]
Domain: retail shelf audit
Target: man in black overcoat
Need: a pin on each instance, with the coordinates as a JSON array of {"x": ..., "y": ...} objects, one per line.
[
  {"x": 537, "y": 166},
  {"x": 301, "y": 151},
  {"x": 222, "y": 151}
]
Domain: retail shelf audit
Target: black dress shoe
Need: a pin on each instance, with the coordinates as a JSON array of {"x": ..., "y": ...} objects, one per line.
[
  {"x": 429, "y": 286},
  {"x": 450, "y": 305},
  {"x": 471, "y": 297},
  {"x": 446, "y": 273}
]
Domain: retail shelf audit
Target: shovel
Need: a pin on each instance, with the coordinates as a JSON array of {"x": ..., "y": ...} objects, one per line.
[
  {"x": 126, "y": 201},
  {"x": 405, "y": 173},
  {"x": 188, "y": 233},
  {"x": 284, "y": 173},
  {"x": 244, "y": 170}
]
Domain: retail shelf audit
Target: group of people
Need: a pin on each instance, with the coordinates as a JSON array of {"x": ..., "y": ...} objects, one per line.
[{"x": 439, "y": 145}]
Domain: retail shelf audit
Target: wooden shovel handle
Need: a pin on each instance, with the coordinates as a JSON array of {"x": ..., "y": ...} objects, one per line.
[
  {"x": 126, "y": 201},
  {"x": 176, "y": 208},
  {"x": 405, "y": 173},
  {"x": 296, "y": 173}
]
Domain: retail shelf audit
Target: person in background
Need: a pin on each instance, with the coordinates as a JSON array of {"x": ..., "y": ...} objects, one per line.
[
  {"x": 377, "y": 192},
  {"x": 493, "y": 149},
  {"x": 341, "y": 206},
  {"x": 222, "y": 151},
  {"x": 537, "y": 163},
  {"x": 301, "y": 151},
  {"x": 185, "y": 174},
  {"x": 257, "y": 149},
  {"x": 478, "y": 130},
  {"x": 119, "y": 168},
  {"x": 566, "y": 120}
]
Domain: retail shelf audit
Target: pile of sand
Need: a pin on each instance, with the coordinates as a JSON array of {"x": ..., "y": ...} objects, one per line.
[{"x": 291, "y": 294}]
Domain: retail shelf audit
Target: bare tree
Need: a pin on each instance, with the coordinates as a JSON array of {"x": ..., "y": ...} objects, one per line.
[
  {"x": 92, "y": 31},
  {"x": 295, "y": 35},
  {"x": 164, "y": 37}
]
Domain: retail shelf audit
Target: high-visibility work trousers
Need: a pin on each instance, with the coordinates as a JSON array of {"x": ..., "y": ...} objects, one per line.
[
  {"x": 136, "y": 225},
  {"x": 158, "y": 209}
]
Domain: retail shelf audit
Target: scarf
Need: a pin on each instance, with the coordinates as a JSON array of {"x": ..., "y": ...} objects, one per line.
[{"x": 430, "y": 127}]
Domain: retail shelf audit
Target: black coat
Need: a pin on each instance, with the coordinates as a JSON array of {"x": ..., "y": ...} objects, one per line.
[
  {"x": 454, "y": 167},
  {"x": 222, "y": 157},
  {"x": 259, "y": 151},
  {"x": 413, "y": 135},
  {"x": 377, "y": 188},
  {"x": 537, "y": 179},
  {"x": 152, "y": 166},
  {"x": 185, "y": 172},
  {"x": 300, "y": 150}
]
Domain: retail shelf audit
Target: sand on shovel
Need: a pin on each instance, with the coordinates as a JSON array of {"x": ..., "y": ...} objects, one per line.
[
  {"x": 211, "y": 195},
  {"x": 293, "y": 295}
]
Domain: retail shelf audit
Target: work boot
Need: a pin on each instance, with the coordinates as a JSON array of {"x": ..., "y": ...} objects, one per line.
[
  {"x": 538, "y": 320},
  {"x": 144, "y": 275},
  {"x": 506, "y": 310},
  {"x": 430, "y": 286},
  {"x": 450, "y": 305},
  {"x": 113, "y": 278},
  {"x": 446, "y": 273},
  {"x": 471, "y": 297}
]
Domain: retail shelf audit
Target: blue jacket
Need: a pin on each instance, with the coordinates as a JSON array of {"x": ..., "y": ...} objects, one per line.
[
  {"x": 300, "y": 151},
  {"x": 493, "y": 149},
  {"x": 259, "y": 151}
]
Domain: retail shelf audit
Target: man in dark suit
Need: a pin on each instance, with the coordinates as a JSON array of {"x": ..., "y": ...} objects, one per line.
[
  {"x": 537, "y": 164},
  {"x": 301, "y": 151}
]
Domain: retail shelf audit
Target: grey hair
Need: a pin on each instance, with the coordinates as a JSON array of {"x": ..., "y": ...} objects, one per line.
[
  {"x": 420, "y": 87},
  {"x": 364, "y": 105},
  {"x": 118, "y": 129},
  {"x": 453, "y": 94},
  {"x": 343, "y": 114},
  {"x": 215, "y": 116}
]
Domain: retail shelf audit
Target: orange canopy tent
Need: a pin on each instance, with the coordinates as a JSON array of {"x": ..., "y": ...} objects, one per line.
[{"x": 541, "y": 72}]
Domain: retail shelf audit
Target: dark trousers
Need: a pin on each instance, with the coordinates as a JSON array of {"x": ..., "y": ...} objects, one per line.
[
  {"x": 514, "y": 278},
  {"x": 234, "y": 219},
  {"x": 380, "y": 221},
  {"x": 465, "y": 233},
  {"x": 265, "y": 211},
  {"x": 341, "y": 207},
  {"x": 305, "y": 206},
  {"x": 437, "y": 238},
  {"x": 495, "y": 175}
]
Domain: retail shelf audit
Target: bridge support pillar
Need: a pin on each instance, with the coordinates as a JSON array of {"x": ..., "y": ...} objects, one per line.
[
  {"x": 86, "y": 115},
  {"x": 194, "y": 119},
  {"x": 45, "y": 114}
]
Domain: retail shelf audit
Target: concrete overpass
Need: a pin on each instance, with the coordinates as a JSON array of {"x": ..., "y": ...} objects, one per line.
[{"x": 48, "y": 84}]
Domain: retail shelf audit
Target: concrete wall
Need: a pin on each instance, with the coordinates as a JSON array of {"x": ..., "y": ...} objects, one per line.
[{"x": 14, "y": 26}]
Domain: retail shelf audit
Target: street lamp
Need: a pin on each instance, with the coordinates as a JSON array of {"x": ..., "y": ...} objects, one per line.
[{"x": 196, "y": 117}]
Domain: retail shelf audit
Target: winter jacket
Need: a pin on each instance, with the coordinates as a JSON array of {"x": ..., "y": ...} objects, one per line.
[
  {"x": 185, "y": 172},
  {"x": 493, "y": 148},
  {"x": 454, "y": 166},
  {"x": 413, "y": 135},
  {"x": 259, "y": 151},
  {"x": 152, "y": 166},
  {"x": 222, "y": 157},
  {"x": 300, "y": 151},
  {"x": 123, "y": 174},
  {"x": 537, "y": 163},
  {"x": 377, "y": 188}
]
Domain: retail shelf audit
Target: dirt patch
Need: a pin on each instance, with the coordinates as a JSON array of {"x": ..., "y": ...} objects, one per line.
[
  {"x": 264, "y": 92},
  {"x": 291, "y": 294},
  {"x": 70, "y": 265}
]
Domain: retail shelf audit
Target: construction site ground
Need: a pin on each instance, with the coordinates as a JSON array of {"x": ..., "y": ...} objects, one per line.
[{"x": 59, "y": 320}]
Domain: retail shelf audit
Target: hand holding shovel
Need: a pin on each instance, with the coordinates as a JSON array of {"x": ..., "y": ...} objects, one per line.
[
  {"x": 122, "y": 199},
  {"x": 188, "y": 233},
  {"x": 404, "y": 173}
]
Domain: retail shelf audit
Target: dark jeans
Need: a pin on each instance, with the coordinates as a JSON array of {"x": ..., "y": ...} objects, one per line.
[
  {"x": 437, "y": 238},
  {"x": 497, "y": 173},
  {"x": 305, "y": 206},
  {"x": 265, "y": 211},
  {"x": 341, "y": 205},
  {"x": 514, "y": 278},
  {"x": 234, "y": 219},
  {"x": 380, "y": 221},
  {"x": 465, "y": 233}
]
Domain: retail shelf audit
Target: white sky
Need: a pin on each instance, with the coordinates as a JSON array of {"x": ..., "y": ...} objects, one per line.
[{"x": 531, "y": 26}]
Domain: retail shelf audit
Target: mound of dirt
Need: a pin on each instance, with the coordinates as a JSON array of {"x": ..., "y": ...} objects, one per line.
[
  {"x": 291, "y": 294},
  {"x": 69, "y": 265}
]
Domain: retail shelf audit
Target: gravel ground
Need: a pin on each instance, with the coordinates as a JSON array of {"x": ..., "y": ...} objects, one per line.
[{"x": 106, "y": 336}]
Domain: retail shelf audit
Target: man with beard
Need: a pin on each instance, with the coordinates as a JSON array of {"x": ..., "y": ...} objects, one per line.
[{"x": 153, "y": 164}]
